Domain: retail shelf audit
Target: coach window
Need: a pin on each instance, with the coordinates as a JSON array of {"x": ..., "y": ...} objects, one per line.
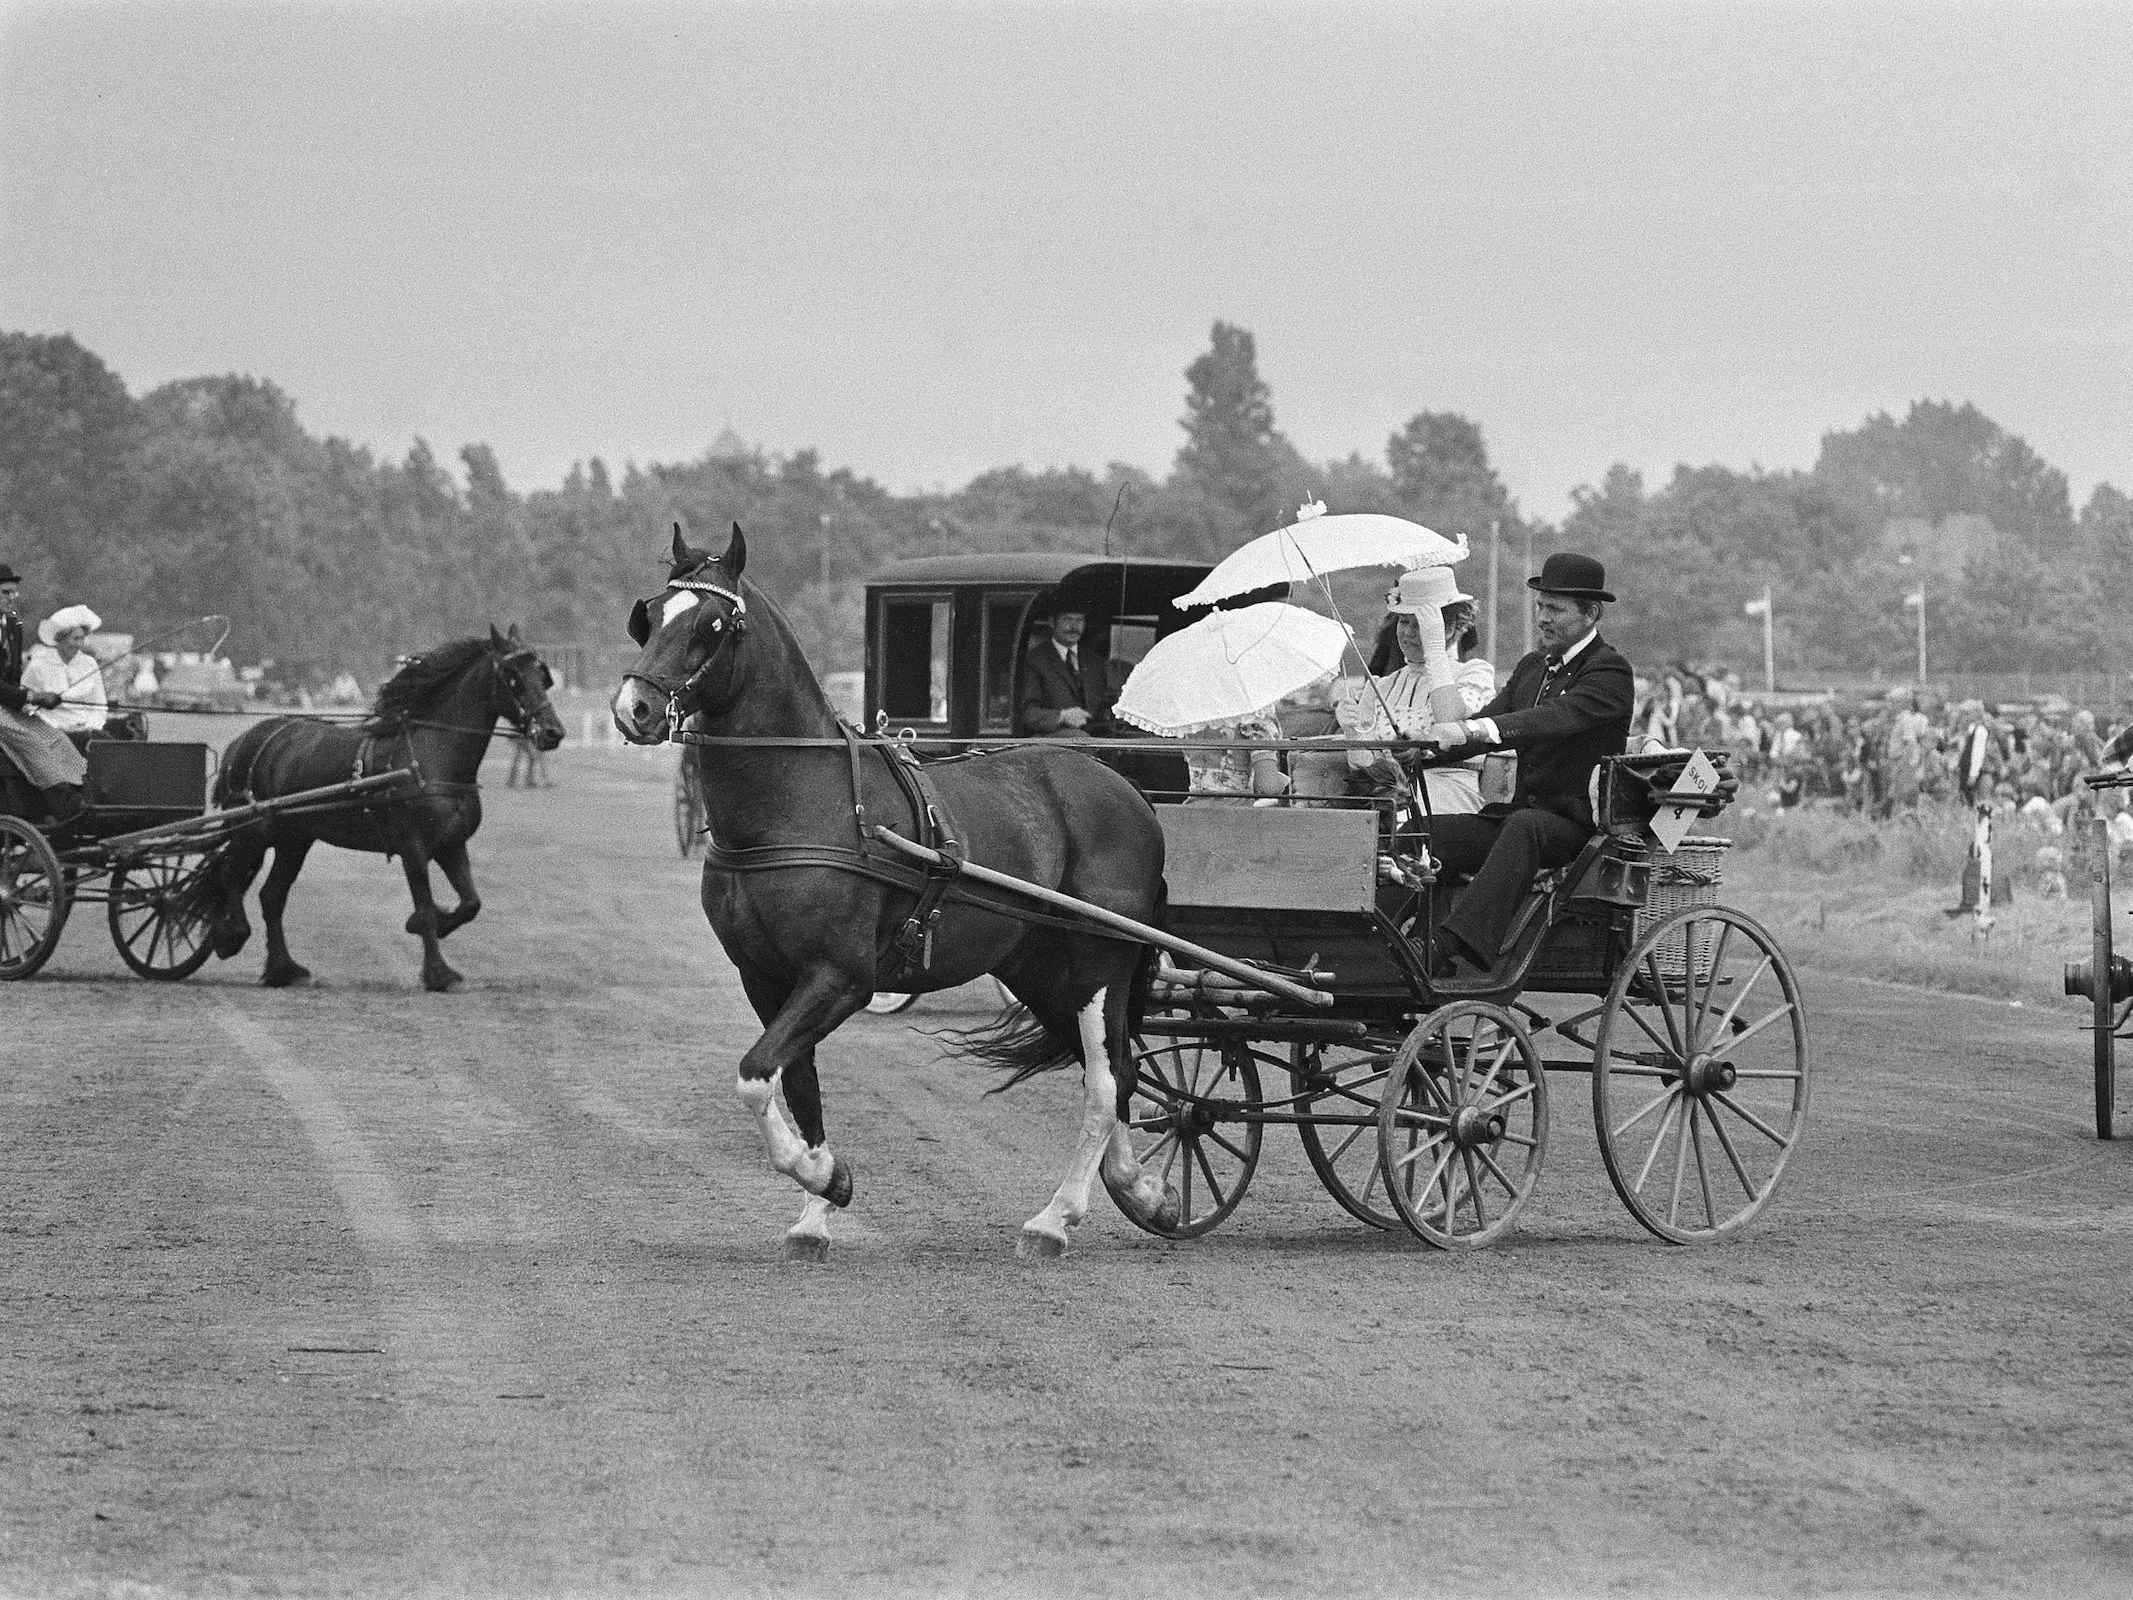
[
  {"x": 1003, "y": 638},
  {"x": 914, "y": 665}
]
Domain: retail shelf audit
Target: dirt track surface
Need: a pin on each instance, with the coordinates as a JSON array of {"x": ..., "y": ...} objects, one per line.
[{"x": 361, "y": 1290}]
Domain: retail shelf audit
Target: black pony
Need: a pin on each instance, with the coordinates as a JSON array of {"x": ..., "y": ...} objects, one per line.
[
  {"x": 814, "y": 927},
  {"x": 435, "y": 718}
]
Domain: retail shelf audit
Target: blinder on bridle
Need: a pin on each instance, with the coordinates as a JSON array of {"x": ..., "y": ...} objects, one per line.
[{"x": 683, "y": 593}]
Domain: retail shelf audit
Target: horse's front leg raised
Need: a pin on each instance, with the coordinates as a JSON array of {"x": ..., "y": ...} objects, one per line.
[
  {"x": 1045, "y": 1234},
  {"x": 436, "y": 976},
  {"x": 786, "y": 1055},
  {"x": 452, "y": 858}
]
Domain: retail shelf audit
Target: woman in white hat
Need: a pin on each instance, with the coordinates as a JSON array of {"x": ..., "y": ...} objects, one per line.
[
  {"x": 59, "y": 665},
  {"x": 1398, "y": 704}
]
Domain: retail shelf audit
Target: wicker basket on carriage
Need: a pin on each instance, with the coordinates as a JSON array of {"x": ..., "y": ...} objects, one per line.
[{"x": 1688, "y": 877}]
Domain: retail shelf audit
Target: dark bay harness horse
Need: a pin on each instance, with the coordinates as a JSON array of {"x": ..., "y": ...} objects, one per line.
[
  {"x": 435, "y": 717},
  {"x": 817, "y": 914}
]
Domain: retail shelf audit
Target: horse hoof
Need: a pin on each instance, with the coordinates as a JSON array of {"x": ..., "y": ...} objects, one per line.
[
  {"x": 1169, "y": 1213},
  {"x": 806, "y": 1247},
  {"x": 442, "y": 982},
  {"x": 418, "y": 924},
  {"x": 1040, "y": 1246},
  {"x": 839, "y": 1192},
  {"x": 284, "y": 977}
]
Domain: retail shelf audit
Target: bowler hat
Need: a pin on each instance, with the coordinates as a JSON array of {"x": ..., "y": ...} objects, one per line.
[
  {"x": 8, "y": 574},
  {"x": 1580, "y": 577}
]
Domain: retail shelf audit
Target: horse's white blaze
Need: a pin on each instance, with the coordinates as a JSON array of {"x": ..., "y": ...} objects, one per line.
[
  {"x": 810, "y": 1169},
  {"x": 679, "y": 601},
  {"x": 1099, "y": 1116}
]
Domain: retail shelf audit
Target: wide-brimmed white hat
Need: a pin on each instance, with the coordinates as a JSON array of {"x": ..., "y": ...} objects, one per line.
[
  {"x": 58, "y": 622},
  {"x": 1426, "y": 589}
]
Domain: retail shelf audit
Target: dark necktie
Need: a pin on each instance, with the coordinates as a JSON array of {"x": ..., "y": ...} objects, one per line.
[
  {"x": 1074, "y": 672},
  {"x": 1555, "y": 665}
]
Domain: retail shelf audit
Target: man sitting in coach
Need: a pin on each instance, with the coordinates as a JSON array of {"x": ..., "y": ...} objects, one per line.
[
  {"x": 1567, "y": 707},
  {"x": 1066, "y": 693}
]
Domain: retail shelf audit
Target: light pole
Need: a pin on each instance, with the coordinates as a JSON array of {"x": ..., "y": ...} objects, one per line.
[
  {"x": 825, "y": 520},
  {"x": 1495, "y": 552},
  {"x": 1762, "y": 608},
  {"x": 1525, "y": 647},
  {"x": 1919, "y": 600}
]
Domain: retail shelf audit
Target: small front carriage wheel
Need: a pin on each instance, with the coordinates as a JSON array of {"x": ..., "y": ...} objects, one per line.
[
  {"x": 1338, "y": 1089},
  {"x": 1194, "y": 1124},
  {"x": 1464, "y": 1125},
  {"x": 162, "y": 916},
  {"x": 33, "y": 899},
  {"x": 1699, "y": 1074}
]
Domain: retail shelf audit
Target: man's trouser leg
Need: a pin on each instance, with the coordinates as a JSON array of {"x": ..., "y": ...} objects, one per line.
[{"x": 1525, "y": 842}]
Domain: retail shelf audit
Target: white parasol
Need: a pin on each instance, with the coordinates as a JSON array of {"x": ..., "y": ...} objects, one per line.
[
  {"x": 1229, "y": 665},
  {"x": 1316, "y": 545}
]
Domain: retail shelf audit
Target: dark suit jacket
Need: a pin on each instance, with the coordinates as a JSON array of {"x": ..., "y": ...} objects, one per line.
[
  {"x": 1048, "y": 689},
  {"x": 1562, "y": 738},
  {"x": 12, "y": 694}
]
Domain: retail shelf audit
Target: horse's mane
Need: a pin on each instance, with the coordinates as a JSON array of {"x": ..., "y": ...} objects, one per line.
[{"x": 411, "y": 689}]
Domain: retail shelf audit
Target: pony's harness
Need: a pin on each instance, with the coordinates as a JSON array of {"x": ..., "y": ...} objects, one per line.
[{"x": 910, "y": 950}]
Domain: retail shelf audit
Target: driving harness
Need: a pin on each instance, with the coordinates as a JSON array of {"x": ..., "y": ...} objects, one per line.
[{"x": 909, "y": 952}]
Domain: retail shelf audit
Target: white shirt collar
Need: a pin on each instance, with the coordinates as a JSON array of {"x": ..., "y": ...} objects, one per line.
[
  {"x": 1065, "y": 650},
  {"x": 1578, "y": 649}
]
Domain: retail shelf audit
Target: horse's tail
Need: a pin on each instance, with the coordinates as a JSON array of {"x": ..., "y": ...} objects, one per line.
[{"x": 1019, "y": 1043}]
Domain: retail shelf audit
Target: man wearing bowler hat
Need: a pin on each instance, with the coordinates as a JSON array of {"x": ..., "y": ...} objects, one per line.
[
  {"x": 1566, "y": 707},
  {"x": 37, "y": 754}
]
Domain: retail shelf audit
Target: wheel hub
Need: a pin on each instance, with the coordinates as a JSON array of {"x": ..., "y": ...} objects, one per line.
[
  {"x": 1472, "y": 1127},
  {"x": 1708, "y": 1075}
]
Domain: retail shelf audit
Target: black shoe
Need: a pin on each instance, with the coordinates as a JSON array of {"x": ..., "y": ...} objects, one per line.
[{"x": 1445, "y": 955}]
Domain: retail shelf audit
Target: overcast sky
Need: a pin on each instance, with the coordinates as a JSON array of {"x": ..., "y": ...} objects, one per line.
[{"x": 932, "y": 239}]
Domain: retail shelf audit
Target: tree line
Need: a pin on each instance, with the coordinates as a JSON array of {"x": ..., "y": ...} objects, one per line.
[{"x": 207, "y": 495}]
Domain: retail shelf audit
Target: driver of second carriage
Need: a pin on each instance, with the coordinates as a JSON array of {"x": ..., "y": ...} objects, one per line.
[
  {"x": 1565, "y": 708},
  {"x": 1066, "y": 690}
]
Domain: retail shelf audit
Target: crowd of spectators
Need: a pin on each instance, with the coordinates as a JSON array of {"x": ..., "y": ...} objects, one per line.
[{"x": 1884, "y": 755}]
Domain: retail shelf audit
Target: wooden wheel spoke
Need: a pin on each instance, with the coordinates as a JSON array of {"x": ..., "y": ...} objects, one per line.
[
  {"x": 1521, "y": 1141},
  {"x": 1644, "y": 1111},
  {"x": 1753, "y": 1028},
  {"x": 1342, "y": 1148},
  {"x": 1511, "y": 1097},
  {"x": 1488, "y": 1161},
  {"x": 1673, "y": 1037},
  {"x": 1732, "y": 1155},
  {"x": 1421, "y": 1149},
  {"x": 1741, "y": 999},
  {"x": 1217, "y": 1140},
  {"x": 1681, "y": 1150},
  {"x": 1207, "y": 1171},
  {"x": 1703, "y": 1174},
  {"x": 1659, "y": 1142},
  {"x": 1703, "y": 1001},
  {"x": 1667, "y": 1048},
  {"x": 1473, "y": 1192},
  {"x": 1749, "y": 1117}
]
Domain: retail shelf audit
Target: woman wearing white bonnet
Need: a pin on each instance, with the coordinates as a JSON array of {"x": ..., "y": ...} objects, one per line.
[
  {"x": 59, "y": 665},
  {"x": 1398, "y": 704}
]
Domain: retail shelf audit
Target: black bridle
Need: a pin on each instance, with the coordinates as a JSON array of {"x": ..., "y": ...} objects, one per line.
[
  {"x": 522, "y": 714},
  {"x": 679, "y": 692}
]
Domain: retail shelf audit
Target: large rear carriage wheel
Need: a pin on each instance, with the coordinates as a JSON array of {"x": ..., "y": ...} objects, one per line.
[
  {"x": 1193, "y": 1123},
  {"x": 1464, "y": 1125},
  {"x": 33, "y": 899},
  {"x": 2108, "y": 1015},
  {"x": 162, "y": 922},
  {"x": 1338, "y": 1089},
  {"x": 1700, "y": 1074}
]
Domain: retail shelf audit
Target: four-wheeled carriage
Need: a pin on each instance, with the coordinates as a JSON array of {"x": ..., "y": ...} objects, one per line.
[
  {"x": 142, "y": 844},
  {"x": 1427, "y": 1108},
  {"x": 2105, "y": 980}
]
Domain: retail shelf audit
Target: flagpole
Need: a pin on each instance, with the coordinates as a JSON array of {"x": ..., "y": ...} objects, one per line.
[
  {"x": 1495, "y": 551},
  {"x": 1921, "y": 633},
  {"x": 1770, "y": 677}
]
